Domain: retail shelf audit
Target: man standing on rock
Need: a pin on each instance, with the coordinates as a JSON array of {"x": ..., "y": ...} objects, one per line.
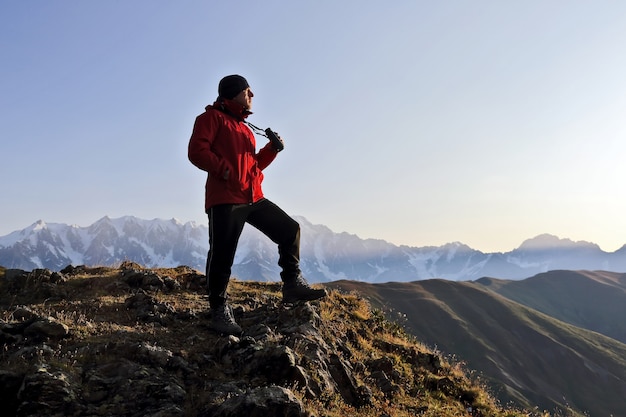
[{"x": 222, "y": 145}]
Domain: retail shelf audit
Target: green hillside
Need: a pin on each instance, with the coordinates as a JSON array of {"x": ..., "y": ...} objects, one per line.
[
  {"x": 527, "y": 356},
  {"x": 591, "y": 300}
]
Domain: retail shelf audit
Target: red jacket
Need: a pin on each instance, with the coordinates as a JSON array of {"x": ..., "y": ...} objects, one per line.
[{"x": 222, "y": 145}]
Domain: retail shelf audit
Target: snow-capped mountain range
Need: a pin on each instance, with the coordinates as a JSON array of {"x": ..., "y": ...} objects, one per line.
[{"x": 325, "y": 255}]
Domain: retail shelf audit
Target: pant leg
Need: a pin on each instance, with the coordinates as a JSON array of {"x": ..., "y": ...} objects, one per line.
[
  {"x": 225, "y": 226},
  {"x": 277, "y": 225}
]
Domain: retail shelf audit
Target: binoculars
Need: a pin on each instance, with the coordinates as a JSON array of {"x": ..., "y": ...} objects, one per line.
[{"x": 276, "y": 142}]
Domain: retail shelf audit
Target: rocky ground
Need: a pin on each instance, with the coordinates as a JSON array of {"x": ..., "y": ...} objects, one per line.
[{"x": 130, "y": 341}]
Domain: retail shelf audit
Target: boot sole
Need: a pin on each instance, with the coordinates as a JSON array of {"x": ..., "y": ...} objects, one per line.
[
  {"x": 295, "y": 299},
  {"x": 230, "y": 332}
]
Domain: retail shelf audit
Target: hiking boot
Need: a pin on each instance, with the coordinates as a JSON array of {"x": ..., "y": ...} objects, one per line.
[
  {"x": 222, "y": 320},
  {"x": 300, "y": 290}
]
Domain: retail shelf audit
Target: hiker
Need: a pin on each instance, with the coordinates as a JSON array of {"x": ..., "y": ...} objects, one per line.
[{"x": 223, "y": 145}]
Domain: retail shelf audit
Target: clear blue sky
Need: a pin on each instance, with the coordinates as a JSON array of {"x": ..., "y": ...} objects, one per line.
[{"x": 417, "y": 122}]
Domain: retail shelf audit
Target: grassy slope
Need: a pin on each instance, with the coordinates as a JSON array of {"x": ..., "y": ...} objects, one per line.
[
  {"x": 532, "y": 357},
  {"x": 93, "y": 305},
  {"x": 591, "y": 300}
]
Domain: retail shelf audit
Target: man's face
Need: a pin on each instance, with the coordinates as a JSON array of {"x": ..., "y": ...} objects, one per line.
[{"x": 244, "y": 98}]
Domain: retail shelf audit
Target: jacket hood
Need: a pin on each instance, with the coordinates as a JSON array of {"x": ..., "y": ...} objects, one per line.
[{"x": 230, "y": 107}]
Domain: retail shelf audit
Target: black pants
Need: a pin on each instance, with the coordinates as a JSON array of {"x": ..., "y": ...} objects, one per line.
[{"x": 226, "y": 222}]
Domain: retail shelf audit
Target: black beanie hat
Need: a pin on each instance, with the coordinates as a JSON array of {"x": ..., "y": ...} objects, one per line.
[{"x": 231, "y": 85}]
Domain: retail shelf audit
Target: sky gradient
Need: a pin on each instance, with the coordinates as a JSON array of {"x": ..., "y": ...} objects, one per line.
[{"x": 416, "y": 122}]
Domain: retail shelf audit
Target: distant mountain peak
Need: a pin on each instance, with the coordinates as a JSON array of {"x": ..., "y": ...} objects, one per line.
[
  {"x": 39, "y": 223},
  {"x": 547, "y": 241},
  {"x": 325, "y": 255}
]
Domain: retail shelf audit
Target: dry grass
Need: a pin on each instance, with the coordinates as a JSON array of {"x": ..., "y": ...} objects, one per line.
[{"x": 94, "y": 307}]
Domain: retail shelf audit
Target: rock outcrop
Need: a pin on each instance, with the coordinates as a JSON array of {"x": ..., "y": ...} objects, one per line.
[{"x": 131, "y": 341}]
